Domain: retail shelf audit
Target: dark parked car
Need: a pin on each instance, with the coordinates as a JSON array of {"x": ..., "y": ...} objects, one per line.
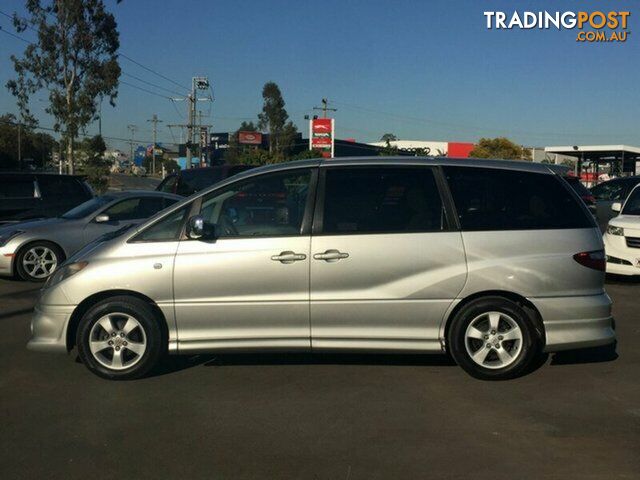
[
  {"x": 187, "y": 182},
  {"x": 607, "y": 193},
  {"x": 584, "y": 193},
  {"x": 30, "y": 195}
]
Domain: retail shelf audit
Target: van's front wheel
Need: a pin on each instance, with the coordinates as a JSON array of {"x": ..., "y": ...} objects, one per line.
[
  {"x": 492, "y": 339},
  {"x": 120, "y": 338}
]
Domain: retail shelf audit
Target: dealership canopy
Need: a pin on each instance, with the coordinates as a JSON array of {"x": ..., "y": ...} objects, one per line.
[{"x": 622, "y": 158}]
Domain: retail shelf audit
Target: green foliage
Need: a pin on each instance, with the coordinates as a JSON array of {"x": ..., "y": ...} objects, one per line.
[
  {"x": 501, "y": 148},
  {"x": 388, "y": 137},
  {"x": 306, "y": 154},
  {"x": 274, "y": 119},
  {"x": 35, "y": 145},
  {"x": 74, "y": 59},
  {"x": 247, "y": 127},
  {"x": 389, "y": 150},
  {"x": 95, "y": 166}
]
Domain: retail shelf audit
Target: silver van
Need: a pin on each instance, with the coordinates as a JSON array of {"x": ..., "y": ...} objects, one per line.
[{"x": 492, "y": 261}]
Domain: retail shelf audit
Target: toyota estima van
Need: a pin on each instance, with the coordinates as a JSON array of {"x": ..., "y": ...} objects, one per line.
[{"x": 492, "y": 261}]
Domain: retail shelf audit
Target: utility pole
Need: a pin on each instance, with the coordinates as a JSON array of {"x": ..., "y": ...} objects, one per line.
[
  {"x": 132, "y": 129},
  {"x": 190, "y": 124},
  {"x": 325, "y": 108},
  {"x": 197, "y": 83},
  {"x": 155, "y": 122},
  {"x": 20, "y": 145}
]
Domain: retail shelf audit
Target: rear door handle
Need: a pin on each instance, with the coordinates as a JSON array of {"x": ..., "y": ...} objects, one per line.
[
  {"x": 288, "y": 257},
  {"x": 331, "y": 255}
]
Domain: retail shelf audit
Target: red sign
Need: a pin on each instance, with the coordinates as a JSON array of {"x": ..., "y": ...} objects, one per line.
[
  {"x": 250, "y": 138},
  {"x": 459, "y": 149},
  {"x": 321, "y": 136}
]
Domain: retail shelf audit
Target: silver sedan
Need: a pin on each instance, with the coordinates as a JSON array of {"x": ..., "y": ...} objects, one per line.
[{"x": 34, "y": 249}]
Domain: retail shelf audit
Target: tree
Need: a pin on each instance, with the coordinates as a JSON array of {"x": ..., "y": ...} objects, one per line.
[
  {"x": 95, "y": 166},
  {"x": 247, "y": 127},
  {"x": 501, "y": 148},
  {"x": 274, "y": 120},
  {"x": 388, "y": 137},
  {"x": 74, "y": 59},
  {"x": 34, "y": 145}
]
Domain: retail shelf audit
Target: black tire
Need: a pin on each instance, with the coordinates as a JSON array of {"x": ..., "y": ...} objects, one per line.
[
  {"x": 148, "y": 331},
  {"x": 23, "y": 273},
  {"x": 521, "y": 352}
]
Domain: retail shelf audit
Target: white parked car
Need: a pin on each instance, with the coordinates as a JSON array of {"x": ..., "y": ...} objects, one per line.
[{"x": 622, "y": 237}]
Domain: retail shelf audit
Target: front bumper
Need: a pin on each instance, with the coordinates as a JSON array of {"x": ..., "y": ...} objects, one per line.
[
  {"x": 621, "y": 259},
  {"x": 49, "y": 328},
  {"x": 576, "y": 322},
  {"x": 6, "y": 262}
]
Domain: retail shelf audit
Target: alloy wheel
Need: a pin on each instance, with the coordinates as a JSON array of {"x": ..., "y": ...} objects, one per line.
[
  {"x": 39, "y": 262},
  {"x": 493, "y": 340},
  {"x": 117, "y": 341}
]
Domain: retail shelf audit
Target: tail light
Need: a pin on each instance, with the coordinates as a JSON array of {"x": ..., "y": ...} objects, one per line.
[{"x": 595, "y": 259}]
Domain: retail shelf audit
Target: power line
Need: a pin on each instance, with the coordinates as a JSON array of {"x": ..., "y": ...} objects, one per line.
[
  {"x": 84, "y": 135},
  {"x": 144, "y": 90},
  {"x": 152, "y": 71},
  {"x": 13, "y": 35},
  {"x": 119, "y": 54},
  {"x": 150, "y": 84}
]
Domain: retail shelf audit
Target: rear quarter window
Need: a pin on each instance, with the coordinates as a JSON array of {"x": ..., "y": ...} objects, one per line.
[
  {"x": 62, "y": 187},
  {"x": 496, "y": 199}
]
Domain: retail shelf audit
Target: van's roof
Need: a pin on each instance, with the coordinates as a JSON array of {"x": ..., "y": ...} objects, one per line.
[{"x": 465, "y": 162}]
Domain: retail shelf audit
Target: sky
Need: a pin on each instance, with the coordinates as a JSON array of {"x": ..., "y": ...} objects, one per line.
[{"x": 423, "y": 70}]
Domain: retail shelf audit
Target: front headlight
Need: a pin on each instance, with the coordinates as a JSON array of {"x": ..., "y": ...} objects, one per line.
[
  {"x": 64, "y": 272},
  {"x": 611, "y": 230},
  {"x": 5, "y": 237}
]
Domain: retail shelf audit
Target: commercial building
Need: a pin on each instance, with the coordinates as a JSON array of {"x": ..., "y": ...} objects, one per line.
[{"x": 435, "y": 148}]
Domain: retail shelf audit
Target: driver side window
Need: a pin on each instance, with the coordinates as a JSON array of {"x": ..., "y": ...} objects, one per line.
[{"x": 265, "y": 206}]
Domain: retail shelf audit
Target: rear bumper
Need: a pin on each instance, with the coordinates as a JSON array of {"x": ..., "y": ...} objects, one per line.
[
  {"x": 576, "y": 322},
  {"x": 49, "y": 328}
]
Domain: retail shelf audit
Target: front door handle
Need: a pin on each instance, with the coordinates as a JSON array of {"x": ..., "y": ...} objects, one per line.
[
  {"x": 288, "y": 257},
  {"x": 331, "y": 255}
]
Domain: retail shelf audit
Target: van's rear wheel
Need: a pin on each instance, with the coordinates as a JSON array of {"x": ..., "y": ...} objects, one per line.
[
  {"x": 120, "y": 338},
  {"x": 492, "y": 339}
]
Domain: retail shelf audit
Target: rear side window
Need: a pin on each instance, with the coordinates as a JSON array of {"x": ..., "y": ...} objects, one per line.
[
  {"x": 196, "y": 180},
  {"x": 495, "y": 199},
  {"x": 16, "y": 187},
  {"x": 59, "y": 186},
  {"x": 381, "y": 200},
  {"x": 168, "y": 185},
  {"x": 612, "y": 191}
]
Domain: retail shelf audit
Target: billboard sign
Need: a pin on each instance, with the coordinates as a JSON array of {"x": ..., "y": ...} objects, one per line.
[
  {"x": 204, "y": 137},
  {"x": 321, "y": 135},
  {"x": 250, "y": 138}
]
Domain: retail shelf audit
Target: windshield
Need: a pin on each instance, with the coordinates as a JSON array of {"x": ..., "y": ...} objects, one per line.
[
  {"x": 632, "y": 205},
  {"x": 88, "y": 207}
]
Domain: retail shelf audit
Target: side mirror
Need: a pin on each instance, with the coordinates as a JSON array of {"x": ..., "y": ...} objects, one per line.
[
  {"x": 102, "y": 218},
  {"x": 195, "y": 227},
  {"x": 616, "y": 207}
]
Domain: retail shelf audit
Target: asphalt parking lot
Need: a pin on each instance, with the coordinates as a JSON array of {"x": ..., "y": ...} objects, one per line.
[{"x": 319, "y": 417}]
